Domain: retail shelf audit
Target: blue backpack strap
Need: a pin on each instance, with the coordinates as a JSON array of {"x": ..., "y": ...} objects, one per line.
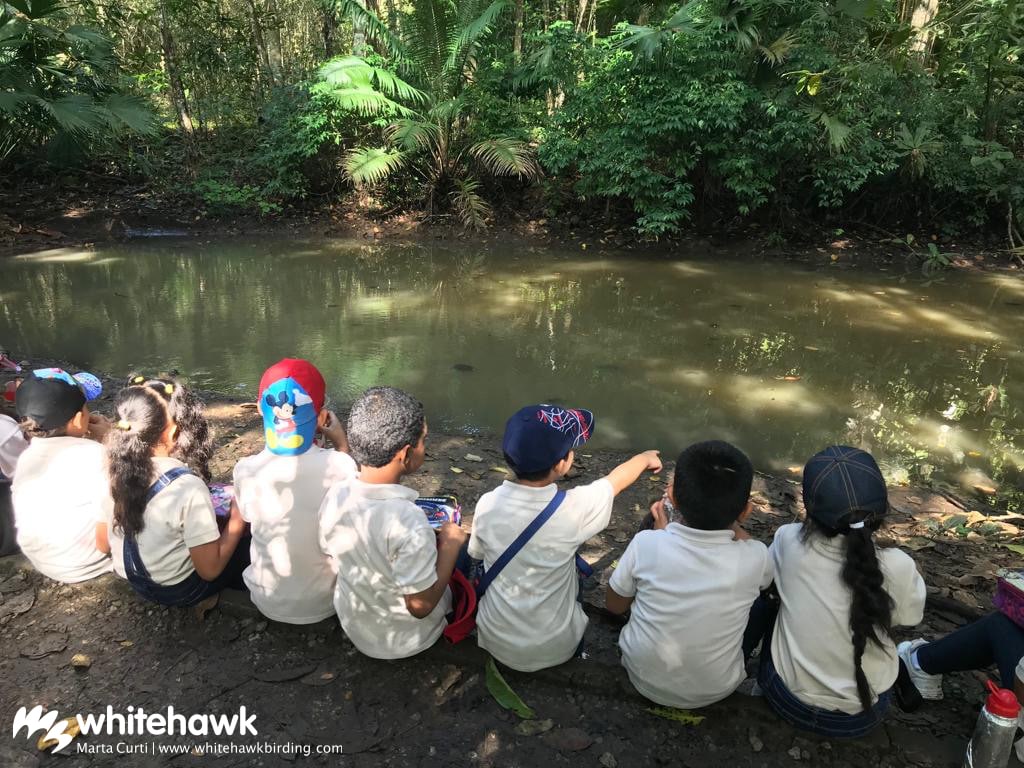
[
  {"x": 513, "y": 549},
  {"x": 166, "y": 479}
]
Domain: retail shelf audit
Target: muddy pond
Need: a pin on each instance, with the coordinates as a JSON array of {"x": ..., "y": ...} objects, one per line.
[{"x": 779, "y": 358}]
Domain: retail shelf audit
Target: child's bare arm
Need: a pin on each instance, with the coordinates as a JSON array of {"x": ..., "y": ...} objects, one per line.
[
  {"x": 102, "y": 540},
  {"x": 209, "y": 559},
  {"x": 627, "y": 473},
  {"x": 616, "y": 603},
  {"x": 451, "y": 537}
]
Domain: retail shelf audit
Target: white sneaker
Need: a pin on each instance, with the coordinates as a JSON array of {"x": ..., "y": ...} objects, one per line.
[{"x": 929, "y": 686}]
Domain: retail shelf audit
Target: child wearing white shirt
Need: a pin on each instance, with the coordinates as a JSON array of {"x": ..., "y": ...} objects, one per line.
[
  {"x": 529, "y": 618},
  {"x": 830, "y": 663},
  {"x": 279, "y": 492},
  {"x": 690, "y": 582},
  {"x": 161, "y": 526},
  {"x": 60, "y": 484},
  {"x": 392, "y": 593}
]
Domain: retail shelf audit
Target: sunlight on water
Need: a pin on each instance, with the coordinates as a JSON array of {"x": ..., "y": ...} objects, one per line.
[{"x": 780, "y": 359}]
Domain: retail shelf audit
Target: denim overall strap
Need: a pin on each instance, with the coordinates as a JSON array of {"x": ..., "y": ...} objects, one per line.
[{"x": 134, "y": 568}]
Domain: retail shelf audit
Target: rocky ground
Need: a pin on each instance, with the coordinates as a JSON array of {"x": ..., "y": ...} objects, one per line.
[{"x": 80, "y": 648}]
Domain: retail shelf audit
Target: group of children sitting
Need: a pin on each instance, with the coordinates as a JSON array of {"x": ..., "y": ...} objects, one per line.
[{"x": 312, "y": 532}]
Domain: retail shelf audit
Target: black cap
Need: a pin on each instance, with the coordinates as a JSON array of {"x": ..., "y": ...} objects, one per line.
[
  {"x": 51, "y": 397},
  {"x": 844, "y": 485}
]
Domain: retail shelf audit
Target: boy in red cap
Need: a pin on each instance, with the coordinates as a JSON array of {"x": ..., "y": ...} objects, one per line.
[{"x": 279, "y": 492}]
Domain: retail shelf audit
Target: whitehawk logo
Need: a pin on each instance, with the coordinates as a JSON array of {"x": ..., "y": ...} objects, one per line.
[{"x": 33, "y": 720}]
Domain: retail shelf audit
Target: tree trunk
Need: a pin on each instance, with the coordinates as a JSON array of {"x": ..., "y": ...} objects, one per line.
[
  {"x": 174, "y": 81},
  {"x": 328, "y": 28},
  {"x": 275, "y": 53},
  {"x": 263, "y": 59},
  {"x": 581, "y": 16},
  {"x": 924, "y": 12},
  {"x": 517, "y": 32},
  {"x": 358, "y": 34}
]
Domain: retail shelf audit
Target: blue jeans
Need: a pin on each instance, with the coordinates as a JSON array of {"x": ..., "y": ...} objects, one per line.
[
  {"x": 824, "y": 722},
  {"x": 994, "y": 639},
  {"x": 194, "y": 589}
]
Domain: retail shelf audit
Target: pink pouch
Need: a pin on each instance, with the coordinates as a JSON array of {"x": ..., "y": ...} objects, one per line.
[{"x": 1010, "y": 595}]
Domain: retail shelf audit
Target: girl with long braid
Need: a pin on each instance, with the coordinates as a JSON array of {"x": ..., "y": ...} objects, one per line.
[
  {"x": 829, "y": 664},
  {"x": 163, "y": 530}
]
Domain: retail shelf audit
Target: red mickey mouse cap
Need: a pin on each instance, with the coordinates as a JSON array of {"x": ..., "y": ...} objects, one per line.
[{"x": 302, "y": 371}]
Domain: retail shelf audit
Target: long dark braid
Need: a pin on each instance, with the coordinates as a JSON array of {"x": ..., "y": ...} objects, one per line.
[
  {"x": 142, "y": 418},
  {"x": 871, "y": 606},
  {"x": 194, "y": 444}
]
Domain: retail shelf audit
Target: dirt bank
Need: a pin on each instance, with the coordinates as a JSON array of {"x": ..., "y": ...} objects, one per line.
[
  {"x": 309, "y": 686},
  {"x": 35, "y": 218}
]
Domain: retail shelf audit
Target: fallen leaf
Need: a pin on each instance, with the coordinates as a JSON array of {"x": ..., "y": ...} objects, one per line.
[
  {"x": 456, "y": 470},
  {"x": 503, "y": 693},
  {"x": 1018, "y": 548},
  {"x": 70, "y": 729},
  {"x": 684, "y": 716},
  {"x": 917, "y": 543},
  {"x": 534, "y": 727},
  {"x": 499, "y": 469},
  {"x": 81, "y": 661},
  {"x": 472, "y": 457}
]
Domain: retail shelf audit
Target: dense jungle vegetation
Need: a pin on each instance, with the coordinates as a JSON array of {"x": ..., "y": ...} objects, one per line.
[{"x": 792, "y": 114}]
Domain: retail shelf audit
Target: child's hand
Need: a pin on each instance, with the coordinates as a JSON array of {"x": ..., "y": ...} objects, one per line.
[
  {"x": 236, "y": 523},
  {"x": 99, "y": 426},
  {"x": 660, "y": 515},
  {"x": 451, "y": 535},
  {"x": 335, "y": 431},
  {"x": 653, "y": 460}
]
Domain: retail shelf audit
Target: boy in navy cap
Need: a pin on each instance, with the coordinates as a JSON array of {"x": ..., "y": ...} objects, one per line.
[
  {"x": 529, "y": 617},
  {"x": 60, "y": 487}
]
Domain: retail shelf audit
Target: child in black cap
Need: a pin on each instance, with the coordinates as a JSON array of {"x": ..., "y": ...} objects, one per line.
[
  {"x": 529, "y": 617},
  {"x": 60, "y": 487},
  {"x": 830, "y": 663}
]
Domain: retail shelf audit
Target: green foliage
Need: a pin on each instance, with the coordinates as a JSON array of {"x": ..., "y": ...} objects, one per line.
[
  {"x": 427, "y": 126},
  {"x": 59, "y": 83},
  {"x": 789, "y": 109}
]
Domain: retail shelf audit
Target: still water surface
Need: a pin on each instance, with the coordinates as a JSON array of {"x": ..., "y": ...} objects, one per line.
[{"x": 780, "y": 359}]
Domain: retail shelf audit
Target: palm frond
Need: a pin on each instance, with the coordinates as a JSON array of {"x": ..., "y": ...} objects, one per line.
[
  {"x": 837, "y": 132},
  {"x": 412, "y": 134},
  {"x": 128, "y": 113},
  {"x": 776, "y": 52},
  {"x": 75, "y": 113},
  {"x": 374, "y": 28},
  {"x": 463, "y": 45},
  {"x": 646, "y": 41},
  {"x": 472, "y": 209},
  {"x": 504, "y": 156},
  {"x": 353, "y": 71},
  {"x": 368, "y": 165}
]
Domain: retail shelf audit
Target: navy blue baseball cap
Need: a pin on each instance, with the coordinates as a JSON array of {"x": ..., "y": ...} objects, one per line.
[
  {"x": 843, "y": 485},
  {"x": 539, "y": 436}
]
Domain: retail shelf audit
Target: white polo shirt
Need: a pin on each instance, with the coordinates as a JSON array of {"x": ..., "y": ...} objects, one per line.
[
  {"x": 384, "y": 549},
  {"x": 812, "y": 647},
  {"x": 290, "y": 579},
  {"x": 529, "y": 618},
  {"x": 12, "y": 445},
  {"x": 178, "y": 518},
  {"x": 692, "y": 590},
  {"x": 58, "y": 492}
]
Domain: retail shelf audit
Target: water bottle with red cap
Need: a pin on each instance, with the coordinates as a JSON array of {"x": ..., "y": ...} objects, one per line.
[{"x": 993, "y": 735}]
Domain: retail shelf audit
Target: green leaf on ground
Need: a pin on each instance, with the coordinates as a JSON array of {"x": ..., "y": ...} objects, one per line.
[
  {"x": 684, "y": 716},
  {"x": 504, "y": 695},
  {"x": 1018, "y": 548},
  {"x": 534, "y": 727}
]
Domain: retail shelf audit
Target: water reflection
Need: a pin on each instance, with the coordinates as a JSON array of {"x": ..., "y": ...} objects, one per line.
[{"x": 777, "y": 359}]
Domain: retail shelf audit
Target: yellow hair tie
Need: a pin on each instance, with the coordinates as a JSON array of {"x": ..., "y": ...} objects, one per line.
[
  {"x": 169, "y": 389},
  {"x": 125, "y": 425}
]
